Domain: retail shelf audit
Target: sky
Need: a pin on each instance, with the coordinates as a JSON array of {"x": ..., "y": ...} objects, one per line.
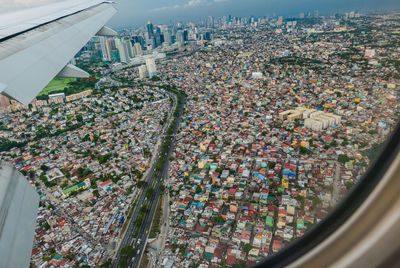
[{"x": 133, "y": 13}]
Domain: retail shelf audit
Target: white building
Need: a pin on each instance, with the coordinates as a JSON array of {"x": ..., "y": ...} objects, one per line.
[
  {"x": 123, "y": 50},
  {"x": 142, "y": 71},
  {"x": 137, "y": 49},
  {"x": 151, "y": 67},
  {"x": 257, "y": 75}
]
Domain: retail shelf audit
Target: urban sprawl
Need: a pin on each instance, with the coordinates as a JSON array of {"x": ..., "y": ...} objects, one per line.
[{"x": 282, "y": 116}]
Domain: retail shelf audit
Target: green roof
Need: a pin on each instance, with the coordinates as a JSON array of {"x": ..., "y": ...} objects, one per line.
[
  {"x": 57, "y": 257},
  {"x": 74, "y": 188},
  {"x": 208, "y": 256},
  {"x": 269, "y": 221}
]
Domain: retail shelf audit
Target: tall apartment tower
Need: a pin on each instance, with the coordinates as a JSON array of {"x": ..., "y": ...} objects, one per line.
[
  {"x": 142, "y": 71},
  {"x": 151, "y": 67},
  {"x": 103, "y": 48},
  {"x": 137, "y": 49},
  {"x": 122, "y": 50}
]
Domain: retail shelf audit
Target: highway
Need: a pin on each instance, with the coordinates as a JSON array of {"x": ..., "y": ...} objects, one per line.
[{"x": 139, "y": 243}]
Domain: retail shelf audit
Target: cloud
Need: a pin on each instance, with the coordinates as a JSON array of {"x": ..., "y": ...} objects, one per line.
[
  {"x": 9, "y": 5},
  {"x": 190, "y": 4}
]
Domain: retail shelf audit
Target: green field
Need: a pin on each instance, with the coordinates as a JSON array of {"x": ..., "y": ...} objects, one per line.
[{"x": 56, "y": 85}]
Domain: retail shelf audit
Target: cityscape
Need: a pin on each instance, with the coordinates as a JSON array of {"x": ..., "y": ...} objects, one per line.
[{"x": 204, "y": 144}]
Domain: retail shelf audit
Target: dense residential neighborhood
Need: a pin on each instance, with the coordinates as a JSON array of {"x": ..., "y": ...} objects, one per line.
[{"x": 281, "y": 119}]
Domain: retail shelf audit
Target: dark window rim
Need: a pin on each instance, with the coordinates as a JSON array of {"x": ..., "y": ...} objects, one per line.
[{"x": 342, "y": 210}]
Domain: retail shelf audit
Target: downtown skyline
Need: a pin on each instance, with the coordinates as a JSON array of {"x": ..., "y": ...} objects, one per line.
[{"x": 137, "y": 13}]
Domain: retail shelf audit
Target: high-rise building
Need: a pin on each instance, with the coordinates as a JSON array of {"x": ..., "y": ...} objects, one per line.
[
  {"x": 137, "y": 49},
  {"x": 142, "y": 71},
  {"x": 103, "y": 48},
  {"x": 301, "y": 15},
  {"x": 151, "y": 67},
  {"x": 167, "y": 36},
  {"x": 185, "y": 35},
  {"x": 18, "y": 207},
  {"x": 112, "y": 51},
  {"x": 122, "y": 50},
  {"x": 210, "y": 22},
  {"x": 150, "y": 29},
  {"x": 279, "y": 21},
  {"x": 128, "y": 45},
  {"x": 179, "y": 37},
  {"x": 157, "y": 39}
]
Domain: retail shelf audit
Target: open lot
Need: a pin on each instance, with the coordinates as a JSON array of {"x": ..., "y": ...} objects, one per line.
[{"x": 56, "y": 85}]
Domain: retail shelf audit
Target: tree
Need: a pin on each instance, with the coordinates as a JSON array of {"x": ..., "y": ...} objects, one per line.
[
  {"x": 79, "y": 118},
  {"x": 149, "y": 192},
  {"x": 107, "y": 264},
  {"x": 44, "y": 167},
  {"x": 162, "y": 188},
  {"x": 71, "y": 256},
  {"x": 300, "y": 198},
  {"x": 247, "y": 248},
  {"x": 46, "y": 226},
  {"x": 349, "y": 184},
  {"x": 198, "y": 189},
  {"x": 93, "y": 184},
  {"x": 342, "y": 158},
  {"x": 141, "y": 184},
  {"x": 271, "y": 165},
  {"x": 126, "y": 251}
]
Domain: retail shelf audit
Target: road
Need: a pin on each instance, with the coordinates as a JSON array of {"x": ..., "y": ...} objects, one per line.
[
  {"x": 164, "y": 227},
  {"x": 140, "y": 242},
  {"x": 336, "y": 185}
]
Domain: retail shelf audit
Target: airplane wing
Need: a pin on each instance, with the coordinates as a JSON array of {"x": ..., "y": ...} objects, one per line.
[
  {"x": 18, "y": 210},
  {"x": 36, "y": 44}
]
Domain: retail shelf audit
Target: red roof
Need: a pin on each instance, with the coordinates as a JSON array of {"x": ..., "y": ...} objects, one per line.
[
  {"x": 230, "y": 260},
  {"x": 27, "y": 168},
  {"x": 64, "y": 261},
  {"x": 105, "y": 183}
]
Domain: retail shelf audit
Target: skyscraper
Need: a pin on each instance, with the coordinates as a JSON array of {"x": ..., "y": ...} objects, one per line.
[
  {"x": 280, "y": 21},
  {"x": 150, "y": 29},
  {"x": 137, "y": 49},
  {"x": 128, "y": 44},
  {"x": 122, "y": 50},
  {"x": 103, "y": 48},
  {"x": 142, "y": 71},
  {"x": 151, "y": 67},
  {"x": 179, "y": 37},
  {"x": 157, "y": 37},
  {"x": 167, "y": 36},
  {"x": 112, "y": 52}
]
